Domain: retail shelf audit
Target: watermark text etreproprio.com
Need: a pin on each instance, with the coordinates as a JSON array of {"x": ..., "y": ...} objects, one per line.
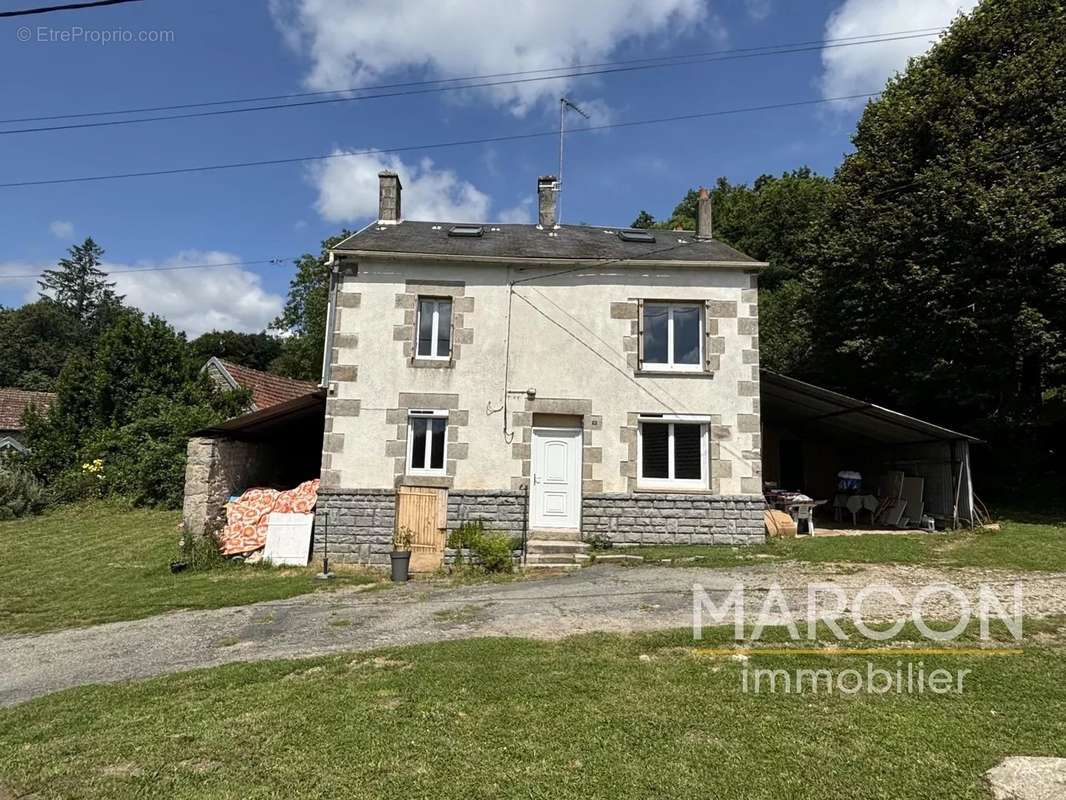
[{"x": 77, "y": 34}]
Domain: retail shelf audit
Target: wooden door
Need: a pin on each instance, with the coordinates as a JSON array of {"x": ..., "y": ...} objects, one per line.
[{"x": 424, "y": 512}]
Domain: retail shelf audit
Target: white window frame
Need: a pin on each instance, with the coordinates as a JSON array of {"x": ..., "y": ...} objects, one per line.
[
  {"x": 427, "y": 470},
  {"x": 674, "y": 483},
  {"x": 435, "y": 340},
  {"x": 669, "y": 365}
]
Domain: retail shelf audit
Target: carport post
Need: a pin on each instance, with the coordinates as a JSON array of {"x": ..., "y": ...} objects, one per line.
[{"x": 325, "y": 574}]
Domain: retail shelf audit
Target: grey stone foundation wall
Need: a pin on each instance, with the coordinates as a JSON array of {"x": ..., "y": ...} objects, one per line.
[
  {"x": 453, "y": 557},
  {"x": 501, "y": 510},
  {"x": 650, "y": 518},
  {"x": 359, "y": 524}
]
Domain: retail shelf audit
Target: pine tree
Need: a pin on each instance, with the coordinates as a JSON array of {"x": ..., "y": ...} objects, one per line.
[{"x": 78, "y": 284}]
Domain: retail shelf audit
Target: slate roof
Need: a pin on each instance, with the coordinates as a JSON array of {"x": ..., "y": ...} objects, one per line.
[
  {"x": 13, "y": 402},
  {"x": 575, "y": 242},
  {"x": 267, "y": 389}
]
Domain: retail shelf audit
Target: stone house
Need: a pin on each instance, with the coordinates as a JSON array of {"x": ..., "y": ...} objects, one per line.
[
  {"x": 13, "y": 405},
  {"x": 561, "y": 382}
]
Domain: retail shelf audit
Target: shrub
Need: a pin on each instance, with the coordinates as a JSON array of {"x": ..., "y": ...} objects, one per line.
[
  {"x": 20, "y": 493},
  {"x": 494, "y": 552},
  {"x": 491, "y": 550},
  {"x": 466, "y": 535}
]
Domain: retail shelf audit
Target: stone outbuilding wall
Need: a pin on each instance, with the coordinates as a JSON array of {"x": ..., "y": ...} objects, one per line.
[{"x": 217, "y": 468}]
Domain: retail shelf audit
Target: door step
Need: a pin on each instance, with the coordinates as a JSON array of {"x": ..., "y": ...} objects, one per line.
[
  {"x": 554, "y": 535},
  {"x": 556, "y": 553}
]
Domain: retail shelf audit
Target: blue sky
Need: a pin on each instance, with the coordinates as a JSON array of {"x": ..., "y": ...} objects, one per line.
[{"x": 222, "y": 50}]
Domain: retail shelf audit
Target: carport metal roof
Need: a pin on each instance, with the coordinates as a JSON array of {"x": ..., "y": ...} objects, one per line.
[
  {"x": 265, "y": 421},
  {"x": 805, "y": 403}
]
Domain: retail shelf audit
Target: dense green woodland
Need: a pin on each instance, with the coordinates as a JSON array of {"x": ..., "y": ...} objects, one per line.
[{"x": 928, "y": 274}]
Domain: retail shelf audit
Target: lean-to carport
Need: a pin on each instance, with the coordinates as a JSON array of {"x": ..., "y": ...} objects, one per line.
[
  {"x": 277, "y": 447},
  {"x": 811, "y": 433}
]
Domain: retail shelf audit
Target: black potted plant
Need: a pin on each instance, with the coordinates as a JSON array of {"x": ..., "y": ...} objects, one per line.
[{"x": 401, "y": 555}]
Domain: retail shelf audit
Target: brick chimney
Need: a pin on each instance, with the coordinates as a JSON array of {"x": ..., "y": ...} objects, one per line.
[
  {"x": 389, "y": 189},
  {"x": 703, "y": 215},
  {"x": 547, "y": 186}
]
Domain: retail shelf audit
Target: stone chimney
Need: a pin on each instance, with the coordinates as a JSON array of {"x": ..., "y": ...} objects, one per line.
[
  {"x": 547, "y": 187},
  {"x": 389, "y": 189},
  {"x": 703, "y": 215}
]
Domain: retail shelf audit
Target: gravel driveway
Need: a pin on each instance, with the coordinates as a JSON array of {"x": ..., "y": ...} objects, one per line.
[{"x": 599, "y": 598}]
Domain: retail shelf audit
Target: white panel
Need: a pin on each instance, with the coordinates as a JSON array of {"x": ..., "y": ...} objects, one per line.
[
  {"x": 555, "y": 504},
  {"x": 288, "y": 539},
  {"x": 556, "y": 458}
]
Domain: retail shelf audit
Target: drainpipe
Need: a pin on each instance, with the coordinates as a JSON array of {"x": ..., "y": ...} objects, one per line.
[{"x": 331, "y": 306}]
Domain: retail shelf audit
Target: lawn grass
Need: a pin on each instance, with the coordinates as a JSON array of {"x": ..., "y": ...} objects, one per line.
[
  {"x": 1023, "y": 546},
  {"x": 83, "y": 565},
  {"x": 596, "y": 716}
]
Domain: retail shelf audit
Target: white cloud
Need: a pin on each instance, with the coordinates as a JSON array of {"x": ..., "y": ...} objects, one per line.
[
  {"x": 12, "y": 288},
  {"x": 62, "y": 229},
  {"x": 521, "y": 214},
  {"x": 358, "y": 42},
  {"x": 192, "y": 300},
  {"x": 758, "y": 10},
  {"x": 865, "y": 68},
  {"x": 199, "y": 300},
  {"x": 348, "y": 190}
]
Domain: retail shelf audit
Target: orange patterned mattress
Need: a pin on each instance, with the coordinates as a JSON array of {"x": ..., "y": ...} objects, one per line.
[{"x": 246, "y": 517}]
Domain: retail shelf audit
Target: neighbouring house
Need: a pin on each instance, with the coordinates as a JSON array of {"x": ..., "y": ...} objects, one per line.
[
  {"x": 13, "y": 405},
  {"x": 267, "y": 389},
  {"x": 557, "y": 381},
  {"x": 238, "y": 454},
  {"x": 560, "y": 383}
]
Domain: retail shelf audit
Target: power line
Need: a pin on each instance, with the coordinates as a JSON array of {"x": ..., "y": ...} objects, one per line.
[
  {"x": 425, "y": 89},
  {"x": 433, "y": 146},
  {"x": 66, "y": 7},
  {"x": 875, "y": 37},
  {"x": 170, "y": 269}
]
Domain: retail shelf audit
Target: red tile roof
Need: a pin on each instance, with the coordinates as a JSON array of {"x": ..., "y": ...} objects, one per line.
[
  {"x": 15, "y": 401},
  {"x": 267, "y": 389}
]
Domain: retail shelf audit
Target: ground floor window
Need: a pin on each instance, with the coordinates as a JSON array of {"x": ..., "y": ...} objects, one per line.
[
  {"x": 427, "y": 434},
  {"x": 672, "y": 453}
]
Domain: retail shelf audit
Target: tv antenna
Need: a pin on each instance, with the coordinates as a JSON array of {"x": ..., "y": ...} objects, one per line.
[{"x": 563, "y": 105}]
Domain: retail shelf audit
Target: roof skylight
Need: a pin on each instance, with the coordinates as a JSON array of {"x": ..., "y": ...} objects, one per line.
[
  {"x": 636, "y": 236},
  {"x": 466, "y": 230}
]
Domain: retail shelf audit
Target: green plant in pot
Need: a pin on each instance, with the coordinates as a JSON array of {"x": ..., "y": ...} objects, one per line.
[{"x": 401, "y": 555}]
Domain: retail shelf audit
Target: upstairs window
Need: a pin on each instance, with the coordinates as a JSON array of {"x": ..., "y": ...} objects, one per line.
[
  {"x": 427, "y": 434},
  {"x": 434, "y": 327},
  {"x": 673, "y": 453},
  {"x": 673, "y": 336}
]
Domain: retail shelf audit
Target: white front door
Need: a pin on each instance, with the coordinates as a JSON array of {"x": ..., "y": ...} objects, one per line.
[{"x": 555, "y": 486}]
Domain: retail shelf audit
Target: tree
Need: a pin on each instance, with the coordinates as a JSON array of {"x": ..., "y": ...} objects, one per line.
[
  {"x": 255, "y": 350},
  {"x": 944, "y": 283},
  {"x": 37, "y": 340},
  {"x": 132, "y": 402},
  {"x": 304, "y": 316},
  {"x": 643, "y": 220},
  {"x": 780, "y": 220},
  {"x": 79, "y": 285}
]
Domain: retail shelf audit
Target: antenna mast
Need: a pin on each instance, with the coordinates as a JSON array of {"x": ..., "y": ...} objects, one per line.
[{"x": 563, "y": 105}]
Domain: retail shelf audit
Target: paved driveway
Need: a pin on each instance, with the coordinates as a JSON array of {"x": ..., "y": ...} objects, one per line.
[{"x": 600, "y": 598}]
